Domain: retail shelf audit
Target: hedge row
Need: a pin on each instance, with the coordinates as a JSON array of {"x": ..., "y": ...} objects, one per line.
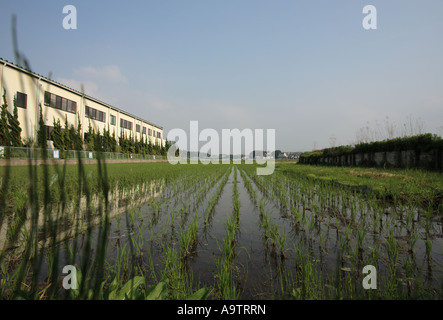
[{"x": 423, "y": 142}]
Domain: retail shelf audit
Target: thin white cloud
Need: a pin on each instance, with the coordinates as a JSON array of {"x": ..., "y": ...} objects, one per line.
[
  {"x": 150, "y": 101},
  {"x": 103, "y": 83},
  {"x": 89, "y": 87},
  {"x": 110, "y": 73}
]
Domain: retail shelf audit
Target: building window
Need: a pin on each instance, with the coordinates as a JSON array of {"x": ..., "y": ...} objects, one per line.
[
  {"x": 144, "y": 130},
  {"x": 21, "y": 100},
  {"x": 149, "y": 132},
  {"x": 158, "y": 134},
  {"x": 95, "y": 114},
  {"x": 60, "y": 103},
  {"x": 125, "y": 124},
  {"x": 112, "y": 119},
  {"x": 137, "y": 128}
]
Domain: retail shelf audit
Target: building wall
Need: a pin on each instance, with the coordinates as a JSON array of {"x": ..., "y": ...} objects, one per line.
[{"x": 15, "y": 79}]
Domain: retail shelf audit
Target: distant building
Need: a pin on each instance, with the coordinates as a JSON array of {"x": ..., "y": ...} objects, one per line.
[{"x": 289, "y": 155}]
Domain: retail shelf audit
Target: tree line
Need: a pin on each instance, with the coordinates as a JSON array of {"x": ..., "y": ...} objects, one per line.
[
  {"x": 10, "y": 131},
  {"x": 68, "y": 137}
]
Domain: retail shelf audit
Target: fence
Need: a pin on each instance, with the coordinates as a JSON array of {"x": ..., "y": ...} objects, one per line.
[{"x": 37, "y": 153}]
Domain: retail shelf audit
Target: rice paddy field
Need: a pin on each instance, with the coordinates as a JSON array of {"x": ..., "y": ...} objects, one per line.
[{"x": 162, "y": 231}]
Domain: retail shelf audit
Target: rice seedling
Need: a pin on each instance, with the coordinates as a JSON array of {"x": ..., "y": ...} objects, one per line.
[
  {"x": 361, "y": 236},
  {"x": 274, "y": 234},
  {"x": 227, "y": 289},
  {"x": 265, "y": 223},
  {"x": 282, "y": 243},
  {"x": 215, "y": 197},
  {"x": 174, "y": 275},
  {"x": 252, "y": 192},
  {"x": 308, "y": 284},
  {"x": 235, "y": 196},
  {"x": 391, "y": 247},
  {"x": 189, "y": 237},
  {"x": 297, "y": 216}
]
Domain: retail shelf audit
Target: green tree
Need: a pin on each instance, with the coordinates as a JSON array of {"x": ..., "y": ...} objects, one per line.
[
  {"x": 123, "y": 142},
  {"x": 156, "y": 148},
  {"x": 150, "y": 146},
  {"x": 105, "y": 140},
  {"x": 14, "y": 127},
  {"x": 67, "y": 136},
  {"x": 98, "y": 141},
  {"x": 109, "y": 142},
  {"x": 145, "y": 144},
  {"x": 58, "y": 137},
  {"x": 166, "y": 147},
  {"x": 4, "y": 128},
  {"x": 131, "y": 143},
  {"x": 78, "y": 140},
  {"x": 72, "y": 136},
  {"x": 137, "y": 146},
  {"x": 113, "y": 142},
  {"x": 90, "y": 137},
  {"x": 75, "y": 135},
  {"x": 41, "y": 135}
]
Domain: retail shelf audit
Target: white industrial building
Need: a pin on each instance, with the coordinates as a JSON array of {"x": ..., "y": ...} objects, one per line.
[{"x": 58, "y": 101}]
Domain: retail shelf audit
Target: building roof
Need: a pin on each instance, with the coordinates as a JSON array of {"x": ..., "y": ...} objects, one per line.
[{"x": 10, "y": 64}]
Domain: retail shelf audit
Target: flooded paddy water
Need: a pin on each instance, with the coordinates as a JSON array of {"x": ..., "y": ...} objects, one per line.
[{"x": 255, "y": 237}]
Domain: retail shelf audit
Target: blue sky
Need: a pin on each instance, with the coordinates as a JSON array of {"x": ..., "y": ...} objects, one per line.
[{"x": 305, "y": 68}]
